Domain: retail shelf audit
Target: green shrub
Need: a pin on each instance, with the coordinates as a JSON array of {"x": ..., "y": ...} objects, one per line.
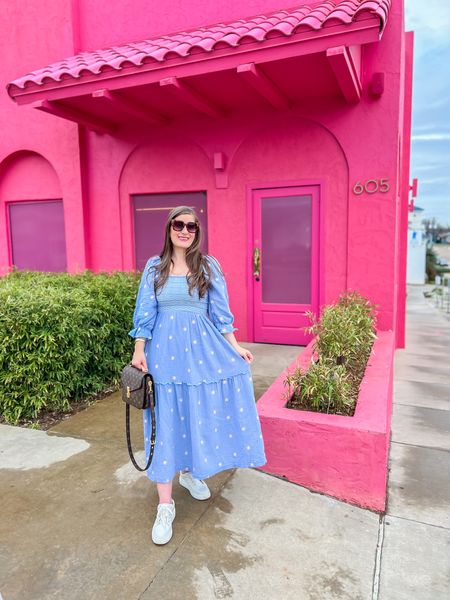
[
  {"x": 344, "y": 337},
  {"x": 64, "y": 337},
  {"x": 431, "y": 266},
  {"x": 323, "y": 387}
]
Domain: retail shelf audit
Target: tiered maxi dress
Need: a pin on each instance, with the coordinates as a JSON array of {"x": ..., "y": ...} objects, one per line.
[{"x": 206, "y": 417}]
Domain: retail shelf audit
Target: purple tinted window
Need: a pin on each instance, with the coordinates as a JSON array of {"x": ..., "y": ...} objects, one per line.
[
  {"x": 150, "y": 216},
  {"x": 286, "y": 249},
  {"x": 37, "y": 235}
]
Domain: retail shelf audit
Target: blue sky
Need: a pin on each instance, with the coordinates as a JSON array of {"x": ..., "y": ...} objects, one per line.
[{"x": 430, "y": 145}]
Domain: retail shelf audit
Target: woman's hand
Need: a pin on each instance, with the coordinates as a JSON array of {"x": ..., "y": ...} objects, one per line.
[
  {"x": 139, "y": 361},
  {"x": 246, "y": 354}
]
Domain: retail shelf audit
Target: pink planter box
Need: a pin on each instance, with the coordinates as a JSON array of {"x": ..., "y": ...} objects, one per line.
[{"x": 345, "y": 457}]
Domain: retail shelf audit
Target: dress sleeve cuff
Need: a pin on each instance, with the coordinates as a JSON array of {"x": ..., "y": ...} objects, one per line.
[
  {"x": 226, "y": 328},
  {"x": 140, "y": 332}
]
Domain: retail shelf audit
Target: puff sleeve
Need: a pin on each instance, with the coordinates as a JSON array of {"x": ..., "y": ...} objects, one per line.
[
  {"x": 218, "y": 303},
  {"x": 146, "y": 304}
]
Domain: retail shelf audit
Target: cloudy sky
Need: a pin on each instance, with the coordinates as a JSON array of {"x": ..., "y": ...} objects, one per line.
[{"x": 430, "y": 146}]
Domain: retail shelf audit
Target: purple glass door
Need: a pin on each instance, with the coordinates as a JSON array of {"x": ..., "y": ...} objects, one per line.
[
  {"x": 38, "y": 239},
  {"x": 285, "y": 263},
  {"x": 150, "y": 213}
]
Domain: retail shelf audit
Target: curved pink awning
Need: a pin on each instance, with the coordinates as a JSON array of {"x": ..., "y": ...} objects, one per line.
[{"x": 263, "y": 31}]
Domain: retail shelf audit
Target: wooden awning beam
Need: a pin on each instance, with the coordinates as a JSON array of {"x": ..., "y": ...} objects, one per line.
[
  {"x": 130, "y": 107},
  {"x": 263, "y": 85},
  {"x": 72, "y": 114},
  {"x": 347, "y": 74},
  {"x": 190, "y": 96}
]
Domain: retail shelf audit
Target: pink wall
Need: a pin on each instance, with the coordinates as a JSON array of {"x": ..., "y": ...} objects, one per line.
[
  {"x": 24, "y": 46},
  {"x": 322, "y": 138},
  {"x": 22, "y": 171}
]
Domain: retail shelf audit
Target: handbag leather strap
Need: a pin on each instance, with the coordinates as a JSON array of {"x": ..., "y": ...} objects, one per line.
[{"x": 153, "y": 435}]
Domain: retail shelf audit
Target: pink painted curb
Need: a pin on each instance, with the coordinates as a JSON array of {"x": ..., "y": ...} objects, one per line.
[{"x": 344, "y": 457}]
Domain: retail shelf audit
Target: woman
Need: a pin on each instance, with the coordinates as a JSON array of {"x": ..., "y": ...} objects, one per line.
[{"x": 206, "y": 418}]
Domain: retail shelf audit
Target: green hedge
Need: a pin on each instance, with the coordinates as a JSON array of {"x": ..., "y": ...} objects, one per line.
[{"x": 64, "y": 337}]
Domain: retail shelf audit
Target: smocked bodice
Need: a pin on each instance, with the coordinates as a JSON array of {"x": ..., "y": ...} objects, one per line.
[{"x": 175, "y": 295}]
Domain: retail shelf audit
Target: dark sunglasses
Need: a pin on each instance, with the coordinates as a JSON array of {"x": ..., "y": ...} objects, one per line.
[{"x": 178, "y": 225}]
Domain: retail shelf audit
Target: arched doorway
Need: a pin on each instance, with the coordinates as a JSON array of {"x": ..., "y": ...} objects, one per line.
[{"x": 296, "y": 179}]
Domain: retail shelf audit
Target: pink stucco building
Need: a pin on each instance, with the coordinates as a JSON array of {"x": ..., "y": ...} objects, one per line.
[{"x": 287, "y": 125}]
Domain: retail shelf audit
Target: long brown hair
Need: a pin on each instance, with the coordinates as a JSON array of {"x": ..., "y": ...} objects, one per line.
[{"x": 195, "y": 259}]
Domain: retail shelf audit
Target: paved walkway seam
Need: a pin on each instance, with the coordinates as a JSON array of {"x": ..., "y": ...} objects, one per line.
[
  {"x": 378, "y": 552},
  {"x": 417, "y": 521}
]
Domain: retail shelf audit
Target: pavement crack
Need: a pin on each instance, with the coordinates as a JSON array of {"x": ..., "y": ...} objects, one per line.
[
  {"x": 421, "y": 446},
  {"x": 378, "y": 555},
  {"x": 427, "y": 524}
]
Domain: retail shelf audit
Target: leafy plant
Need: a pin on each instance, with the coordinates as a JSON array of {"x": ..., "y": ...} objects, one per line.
[
  {"x": 344, "y": 338},
  {"x": 323, "y": 387},
  {"x": 431, "y": 264}
]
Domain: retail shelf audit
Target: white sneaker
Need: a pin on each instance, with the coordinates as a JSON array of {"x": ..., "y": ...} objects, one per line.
[
  {"x": 162, "y": 527},
  {"x": 197, "y": 487}
]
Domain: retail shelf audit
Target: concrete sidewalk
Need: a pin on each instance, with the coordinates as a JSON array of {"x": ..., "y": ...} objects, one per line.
[{"x": 77, "y": 517}]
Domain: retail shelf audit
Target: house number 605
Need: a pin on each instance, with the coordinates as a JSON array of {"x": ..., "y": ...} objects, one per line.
[{"x": 371, "y": 186}]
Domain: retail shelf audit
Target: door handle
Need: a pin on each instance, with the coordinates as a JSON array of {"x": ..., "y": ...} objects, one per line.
[{"x": 256, "y": 263}]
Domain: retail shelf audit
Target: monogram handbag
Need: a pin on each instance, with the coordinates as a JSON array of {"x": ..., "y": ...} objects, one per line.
[{"x": 138, "y": 389}]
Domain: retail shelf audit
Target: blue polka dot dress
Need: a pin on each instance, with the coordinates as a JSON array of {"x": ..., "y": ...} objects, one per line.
[{"x": 206, "y": 417}]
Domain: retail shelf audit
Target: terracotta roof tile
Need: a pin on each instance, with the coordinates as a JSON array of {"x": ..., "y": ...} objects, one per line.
[{"x": 205, "y": 39}]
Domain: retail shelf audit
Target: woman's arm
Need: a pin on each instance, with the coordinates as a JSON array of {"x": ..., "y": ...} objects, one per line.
[
  {"x": 144, "y": 315},
  {"x": 219, "y": 309}
]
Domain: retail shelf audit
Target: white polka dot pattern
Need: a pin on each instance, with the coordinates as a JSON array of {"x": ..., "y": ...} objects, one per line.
[{"x": 206, "y": 417}]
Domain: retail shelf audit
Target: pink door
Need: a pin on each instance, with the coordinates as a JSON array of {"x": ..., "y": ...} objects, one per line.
[{"x": 285, "y": 257}]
